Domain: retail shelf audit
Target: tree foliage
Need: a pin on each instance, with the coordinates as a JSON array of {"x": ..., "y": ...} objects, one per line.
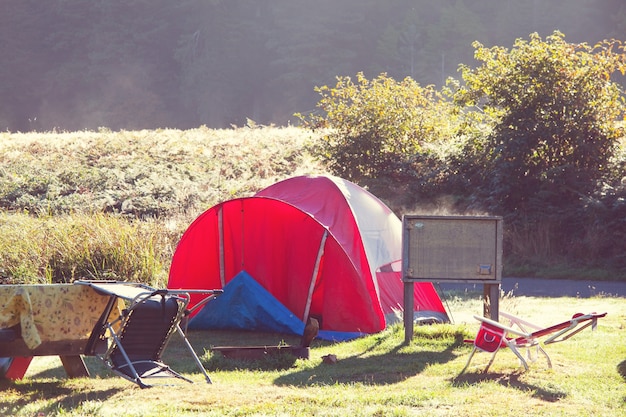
[
  {"x": 530, "y": 134},
  {"x": 380, "y": 128},
  {"x": 553, "y": 109},
  {"x": 132, "y": 64},
  {"x": 548, "y": 163}
]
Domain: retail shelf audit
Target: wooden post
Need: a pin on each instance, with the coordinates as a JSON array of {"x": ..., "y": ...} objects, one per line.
[
  {"x": 408, "y": 311},
  {"x": 491, "y": 301}
]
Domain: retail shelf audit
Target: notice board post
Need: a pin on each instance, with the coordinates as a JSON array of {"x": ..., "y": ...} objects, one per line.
[{"x": 456, "y": 249}]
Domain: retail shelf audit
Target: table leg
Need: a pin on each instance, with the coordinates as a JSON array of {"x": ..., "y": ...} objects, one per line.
[
  {"x": 17, "y": 367},
  {"x": 74, "y": 366}
]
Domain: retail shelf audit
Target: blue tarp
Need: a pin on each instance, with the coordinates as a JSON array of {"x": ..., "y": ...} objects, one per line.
[{"x": 246, "y": 305}]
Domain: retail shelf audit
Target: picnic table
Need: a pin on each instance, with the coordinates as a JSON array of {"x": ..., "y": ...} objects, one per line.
[{"x": 50, "y": 320}]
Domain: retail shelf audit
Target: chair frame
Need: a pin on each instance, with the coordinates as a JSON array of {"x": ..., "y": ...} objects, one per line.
[
  {"x": 522, "y": 337},
  {"x": 112, "y": 332}
]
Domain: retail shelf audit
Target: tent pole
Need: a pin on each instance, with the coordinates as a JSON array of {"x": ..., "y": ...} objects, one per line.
[
  {"x": 220, "y": 227},
  {"x": 320, "y": 253}
]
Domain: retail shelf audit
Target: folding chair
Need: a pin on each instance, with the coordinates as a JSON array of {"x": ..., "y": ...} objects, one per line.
[
  {"x": 492, "y": 335},
  {"x": 137, "y": 338}
]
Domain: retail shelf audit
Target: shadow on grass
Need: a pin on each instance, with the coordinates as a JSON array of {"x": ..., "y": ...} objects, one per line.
[
  {"x": 621, "y": 369},
  {"x": 371, "y": 369},
  {"x": 511, "y": 380},
  {"x": 386, "y": 359},
  {"x": 270, "y": 362},
  {"x": 59, "y": 396},
  {"x": 94, "y": 365}
]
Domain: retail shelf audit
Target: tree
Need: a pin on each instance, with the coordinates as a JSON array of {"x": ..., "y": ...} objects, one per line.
[
  {"x": 223, "y": 61},
  {"x": 448, "y": 40},
  {"x": 381, "y": 130},
  {"x": 24, "y": 54},
  {"x": 553, "y": 111}
]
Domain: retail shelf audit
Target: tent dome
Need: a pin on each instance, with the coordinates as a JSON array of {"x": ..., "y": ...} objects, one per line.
[{"x": 322, "y": 246}]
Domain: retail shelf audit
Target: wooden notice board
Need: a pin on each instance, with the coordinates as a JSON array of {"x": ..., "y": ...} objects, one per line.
[
  {"x": 466, "y": 249},
  {"x": 452, "y": 248}
]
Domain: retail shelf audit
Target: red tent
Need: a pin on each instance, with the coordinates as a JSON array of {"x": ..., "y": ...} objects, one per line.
[{"x": 320, "y": 245}]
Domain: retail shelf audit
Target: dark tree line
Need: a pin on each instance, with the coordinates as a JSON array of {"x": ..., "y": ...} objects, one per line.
[{"x": 132, "y": 64}]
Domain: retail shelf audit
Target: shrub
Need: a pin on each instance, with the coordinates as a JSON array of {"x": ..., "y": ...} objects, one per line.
[
  {"x": 549, "y": 158},
  {"x": 553, "y": 108},
  {"x": 381, "y": 129}
]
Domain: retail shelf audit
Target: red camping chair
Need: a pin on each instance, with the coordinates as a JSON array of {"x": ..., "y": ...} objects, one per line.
[{"x": 492, "y": 335}]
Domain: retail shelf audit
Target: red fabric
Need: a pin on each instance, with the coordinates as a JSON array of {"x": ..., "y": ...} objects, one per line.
[
  {"x": 425, "y": 297},
  {"x": 489, "y": 338},
  {"x": 277, "y": 244},
  {"x": 275, "y": 237},
  {"x": 320, "y": 197}
]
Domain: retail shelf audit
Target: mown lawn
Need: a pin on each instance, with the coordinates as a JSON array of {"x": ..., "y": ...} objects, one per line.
[{"x": 374, "y": 376}]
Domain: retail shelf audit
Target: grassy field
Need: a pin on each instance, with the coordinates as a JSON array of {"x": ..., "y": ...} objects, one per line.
[
  {"x": 114, "y": 204},
  {"x": 378, "y": 375},
  {"x": 147, "y": 173}
]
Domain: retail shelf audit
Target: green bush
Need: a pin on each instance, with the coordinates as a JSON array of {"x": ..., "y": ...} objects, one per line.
[
  {"x": 534, "y": 133},
  {"x": 382, "y": 130},
  {"x": 548, "y": 164},
  {"x": 554, "y": 110}
]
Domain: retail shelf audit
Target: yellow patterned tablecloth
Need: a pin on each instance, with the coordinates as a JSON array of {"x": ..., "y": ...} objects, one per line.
[{"x": 51, "y": 312}]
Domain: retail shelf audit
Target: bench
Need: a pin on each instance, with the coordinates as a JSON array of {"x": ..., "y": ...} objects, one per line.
[{"x": 69, "y": 351}]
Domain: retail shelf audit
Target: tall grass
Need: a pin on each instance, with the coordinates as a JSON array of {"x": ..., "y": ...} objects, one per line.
[
  {"x": 145, "y": 173},
  {"x": 114, "y": 204},
  {"x": 97, "y": 246}
]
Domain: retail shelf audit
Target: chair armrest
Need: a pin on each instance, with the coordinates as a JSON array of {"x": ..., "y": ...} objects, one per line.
[
  {"x": 572, "y": 329},
  {"x": 521, "y": 323},
  {"x": 212, "y": 294},
  {"x": 503, "y": 327}
]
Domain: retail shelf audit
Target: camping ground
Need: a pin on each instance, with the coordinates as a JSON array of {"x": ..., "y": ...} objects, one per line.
[{"x": 374, "y": 376}]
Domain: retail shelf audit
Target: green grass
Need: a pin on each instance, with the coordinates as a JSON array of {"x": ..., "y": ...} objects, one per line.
[
  {"x": 114, "y": 204},
  {"x": 378, "y": 375},
  {"x": 146, "y": 173}
]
